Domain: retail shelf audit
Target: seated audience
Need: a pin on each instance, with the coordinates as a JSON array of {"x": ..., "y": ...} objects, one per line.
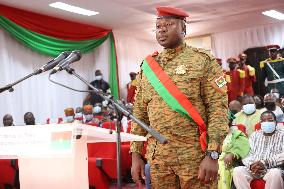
[
  {"x": 29, "y": 118},
  {"x": 249, "y": 116},
  {"x": 234, "y": 148},
  {"x": 258, "y": 102},
  {"x": 8, "y": 120},
  {"x": 270, "y": 104},
  {"x": 69, "y": 115},
  {"x": 266, "y": 146}
]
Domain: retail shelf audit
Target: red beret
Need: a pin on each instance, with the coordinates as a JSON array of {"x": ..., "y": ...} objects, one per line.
[
  {"x": 272, "y": 47},
  {"x": 171, "y": 12}
]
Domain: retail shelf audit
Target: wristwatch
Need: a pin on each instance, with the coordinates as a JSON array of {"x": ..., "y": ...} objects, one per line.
[{"x": 213, "y": 154}]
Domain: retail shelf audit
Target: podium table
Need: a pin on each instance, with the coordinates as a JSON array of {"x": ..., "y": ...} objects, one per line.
[{"x": 51, "y": 156}]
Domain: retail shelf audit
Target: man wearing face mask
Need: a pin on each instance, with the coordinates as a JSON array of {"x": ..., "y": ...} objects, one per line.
[
  {"x": 88, "y": 115},
  {"x": 266, "y": 146},
  {"x": 29, "y": 118},
  {"x": 270, "y": 105},
  {"x": 273, "y": 70},
  {"x": 179, "y": 76},
  {"x": 249, "y": 116},
  {"x": 258, "y": 101},
  {"x": 235, "y": 80},
  {"x": 249, "y": 74},
  {"x": 101, "y": 84},
  {"x": 69, "y": 115},
  {"x": 79, "y": 114}
]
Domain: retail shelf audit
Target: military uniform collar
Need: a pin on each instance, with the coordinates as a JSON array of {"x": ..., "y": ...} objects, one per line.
[
  {"x": 175, "y": 50},
  {"x": 169, "y": 54}
]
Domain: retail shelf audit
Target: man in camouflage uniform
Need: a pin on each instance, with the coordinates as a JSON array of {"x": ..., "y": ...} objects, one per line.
[{"x": 180, "y": 163}]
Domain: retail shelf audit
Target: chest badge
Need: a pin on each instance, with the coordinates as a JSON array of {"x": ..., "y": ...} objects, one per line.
[{"x": 181, "y": 69}]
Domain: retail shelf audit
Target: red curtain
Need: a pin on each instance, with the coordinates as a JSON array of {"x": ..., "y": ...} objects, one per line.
[{"x": 51, "y": 26}]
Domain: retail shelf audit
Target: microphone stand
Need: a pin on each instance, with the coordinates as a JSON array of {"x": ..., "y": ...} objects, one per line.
[
  {"x": 119, "y": 112},
  {"x": 10, "y": 86}
]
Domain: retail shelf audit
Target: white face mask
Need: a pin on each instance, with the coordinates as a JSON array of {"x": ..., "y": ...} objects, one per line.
[
  {"x": 268, "y": 127},
  {"x": 249, "y": 108},
  {"x": 99, "y": 77},
  {"x": 97, "y": 109},
  {"x": 277, "y": 95},
  {"x": 78, "y": 115},
  {"x": 233, "y": 128},
  {"x": 69, "y": 119},
  {"x": 89, "y": 117}
]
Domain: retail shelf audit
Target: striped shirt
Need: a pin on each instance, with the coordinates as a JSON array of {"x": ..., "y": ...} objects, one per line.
[{"x": 266, "y": 148}]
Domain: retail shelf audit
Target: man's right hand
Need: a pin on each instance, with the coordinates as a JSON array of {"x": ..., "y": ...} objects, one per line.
[{"x": 137, "y": 168}]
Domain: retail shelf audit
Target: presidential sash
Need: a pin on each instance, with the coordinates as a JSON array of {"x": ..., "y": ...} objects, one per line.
[{"x": 170, "y": 93}]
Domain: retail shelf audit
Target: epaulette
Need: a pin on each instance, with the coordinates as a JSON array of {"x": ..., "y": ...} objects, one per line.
[
  {"x": 203, "y": 52},
  {"x": 242, "y": 73},
  {"x": 261, "y": 64}
]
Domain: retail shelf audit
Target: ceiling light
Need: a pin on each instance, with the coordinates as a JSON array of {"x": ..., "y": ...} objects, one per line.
[
  {"x": 274, "y": 14},
  {"x": 71, "y": 8}
]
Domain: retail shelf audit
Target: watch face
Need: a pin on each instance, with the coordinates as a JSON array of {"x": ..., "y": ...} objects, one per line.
[{"x": 214, "y": 155}]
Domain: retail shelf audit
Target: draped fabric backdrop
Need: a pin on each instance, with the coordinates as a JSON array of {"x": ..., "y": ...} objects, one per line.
[
  {"x": 50, "y": 36},
  {"x": 232, "y": 43},
  {"x": 37, "y": 94},
  {"x": 131, "y": 52}
]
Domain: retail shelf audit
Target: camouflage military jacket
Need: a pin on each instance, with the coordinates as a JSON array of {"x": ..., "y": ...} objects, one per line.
[{"x": 194, "y": 72}]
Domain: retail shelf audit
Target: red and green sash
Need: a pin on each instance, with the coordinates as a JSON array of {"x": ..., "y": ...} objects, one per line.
[{"x": 170, "y": 93}]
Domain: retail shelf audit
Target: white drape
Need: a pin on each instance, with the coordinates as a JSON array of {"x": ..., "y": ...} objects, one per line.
[
  {"x": 232, "y": 43},
  {"x": 47, "y": 100},
  {"x": 38, "y": 94},
  {"x": 130, "y": 53}
]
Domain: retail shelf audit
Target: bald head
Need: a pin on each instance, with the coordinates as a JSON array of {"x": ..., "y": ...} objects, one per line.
[
  {"x": 235, "y": 106},
  {"x": 7, "y": 120}
]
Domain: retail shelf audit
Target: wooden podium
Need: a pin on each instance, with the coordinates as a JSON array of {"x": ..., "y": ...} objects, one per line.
[{"x": 50, "y": 156}]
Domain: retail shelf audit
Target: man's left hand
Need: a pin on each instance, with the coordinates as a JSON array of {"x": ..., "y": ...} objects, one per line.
[{"x": 208, "y": 169}]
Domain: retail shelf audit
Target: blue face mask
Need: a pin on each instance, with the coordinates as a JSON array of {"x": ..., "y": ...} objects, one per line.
[
  {"x": 249, "y": 108},
  {"x": 268, "y": 127},
  {"x": 78, "y": 115},
  {"x": 89, "y": 117},
  {"x": 97, "y": 109},
  {"x": 69, "y": 119}
]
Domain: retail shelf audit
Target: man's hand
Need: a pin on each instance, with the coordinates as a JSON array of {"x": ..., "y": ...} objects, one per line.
[
  {"x": 257, "y": 168},
  {"x": 229, "y": 159},
  {"x": 137, "y": 168},
  {"x": 208, "y": 169}
]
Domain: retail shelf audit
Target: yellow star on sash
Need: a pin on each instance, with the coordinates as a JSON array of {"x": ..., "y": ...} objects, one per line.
[{"x": 181, "y": 69}]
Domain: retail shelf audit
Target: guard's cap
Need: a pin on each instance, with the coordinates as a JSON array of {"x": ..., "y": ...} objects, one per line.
[
  {"x": 232, "y": 60},
  {"x": 69, "y": 111},
  {"x": 272, "y": 47},
  {"x": 132, "y": 73}
]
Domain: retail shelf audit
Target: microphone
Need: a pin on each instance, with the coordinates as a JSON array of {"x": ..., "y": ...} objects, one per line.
[
  {"x": 73, "y": 57},
  {"x": 51, "y": 64}
]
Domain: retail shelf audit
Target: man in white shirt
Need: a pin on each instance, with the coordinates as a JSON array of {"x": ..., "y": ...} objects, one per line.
[{"x": 264, "y": 159}]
